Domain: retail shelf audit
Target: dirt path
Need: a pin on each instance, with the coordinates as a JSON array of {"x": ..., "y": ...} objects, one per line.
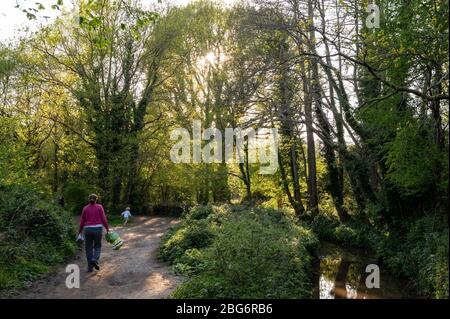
[{"x": 131, "y": 272}]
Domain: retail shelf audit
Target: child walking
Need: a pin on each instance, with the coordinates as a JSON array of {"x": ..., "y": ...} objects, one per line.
[{"x": 126, "y": 214}]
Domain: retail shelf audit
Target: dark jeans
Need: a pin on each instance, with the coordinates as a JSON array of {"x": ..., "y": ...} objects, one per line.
[{"x": 93, "y": 241}]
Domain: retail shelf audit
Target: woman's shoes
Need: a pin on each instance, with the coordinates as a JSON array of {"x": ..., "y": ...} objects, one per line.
[{"x": 95, "y": 265}]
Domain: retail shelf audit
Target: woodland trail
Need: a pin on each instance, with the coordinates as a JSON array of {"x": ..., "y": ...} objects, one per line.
[{"x": 131, "y": 272}]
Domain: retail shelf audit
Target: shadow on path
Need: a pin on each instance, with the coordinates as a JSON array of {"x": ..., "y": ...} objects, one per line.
[{"x": 131, "y": 272}]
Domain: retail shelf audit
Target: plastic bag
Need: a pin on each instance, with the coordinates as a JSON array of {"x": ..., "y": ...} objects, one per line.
[
  {"x": 114, "y": 239},
  {"x": 80, "y": 238}
]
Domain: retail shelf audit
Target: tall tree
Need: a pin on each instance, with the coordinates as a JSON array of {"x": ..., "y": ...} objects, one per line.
[{"x": 109, "y": 62}]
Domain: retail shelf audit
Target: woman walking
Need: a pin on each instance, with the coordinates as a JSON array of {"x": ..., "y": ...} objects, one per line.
[{"x": 92, "y": 221}]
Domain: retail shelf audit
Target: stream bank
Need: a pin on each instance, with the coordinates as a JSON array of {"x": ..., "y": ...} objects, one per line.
[{"x": 340, "y": 273}]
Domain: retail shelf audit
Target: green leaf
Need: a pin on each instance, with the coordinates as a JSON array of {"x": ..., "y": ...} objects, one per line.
[
  {"x": 31, "y": 16},
  {"x": 40, "y": 6}
]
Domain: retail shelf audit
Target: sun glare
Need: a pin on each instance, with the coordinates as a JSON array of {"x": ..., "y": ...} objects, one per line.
[{"x": 211, "y": 58}]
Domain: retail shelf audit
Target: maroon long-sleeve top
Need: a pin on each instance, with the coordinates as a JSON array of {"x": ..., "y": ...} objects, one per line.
[{"x": 93, "y": 215}]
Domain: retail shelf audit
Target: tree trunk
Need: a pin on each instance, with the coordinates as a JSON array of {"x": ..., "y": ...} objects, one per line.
[
  {"x": 340, "y": 290},
  {"x": 294, "y": 173},
  {"x": 296, "y": 205},
  {"x": 55, "y": 168},
  {"x": 287, "y": 131},
  {"x": 313, "y": 203},
  {"x": 245, "y": 172}
]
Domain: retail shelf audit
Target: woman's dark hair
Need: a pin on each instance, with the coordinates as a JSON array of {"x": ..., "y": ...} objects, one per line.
[{"x": 92, "y": 198}]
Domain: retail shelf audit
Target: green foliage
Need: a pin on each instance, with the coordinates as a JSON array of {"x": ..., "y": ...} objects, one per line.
[
  {"x": 190, "y": 234},
  {"x": 323, "y": 225},
  {"x": 411, "y": 161},
  {"x": 352, "y": 233},
  {"x": 258, "y": 253},
  {"x": 199, "y": 212},
  {"x": 192, "y": 261},
  {"x": 76, "y": 196},
  {"x": 88, "y": 110},
  {"x": 401, "y": 130},
  {"x": 418, "y": 251},
  {"x": 421, "y": 255},
  {"x": 13, "y": 167},
  {"x": 35, "y": 234}
]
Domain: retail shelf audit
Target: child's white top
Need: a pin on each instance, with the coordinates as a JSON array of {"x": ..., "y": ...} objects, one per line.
[{"x": 126, "y": 214}]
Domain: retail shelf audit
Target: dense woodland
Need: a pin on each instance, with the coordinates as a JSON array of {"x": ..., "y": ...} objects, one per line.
[{"x": 87, "y": 105}]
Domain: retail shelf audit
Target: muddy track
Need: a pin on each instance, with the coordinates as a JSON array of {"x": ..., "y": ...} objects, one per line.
[{"x": 131, "y": 272}]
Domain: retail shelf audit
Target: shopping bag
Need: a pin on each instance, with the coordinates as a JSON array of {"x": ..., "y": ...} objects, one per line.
[{"x": 114, "y": 239}]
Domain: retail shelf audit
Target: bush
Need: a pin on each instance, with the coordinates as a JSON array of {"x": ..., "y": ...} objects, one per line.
[
  {"x": 192, "y": 261},
  {"x": 412, "y": 159},
  {"x": 324, "y": 225},
  {"x": 195, "y": 234},
  {"x": 353, "y": 233},
  {"x": 213, "y": 214},
  {"x": 35, "y": 234},
  {"x": 199, "y": 212},
  {"x": 421, "y": 255},
  {"x": 347, "y": 235},
  {"x": 260, "y": 253}
]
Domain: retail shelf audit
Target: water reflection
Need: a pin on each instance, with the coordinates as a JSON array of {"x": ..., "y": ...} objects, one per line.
[{"x": 341, "y": 275}]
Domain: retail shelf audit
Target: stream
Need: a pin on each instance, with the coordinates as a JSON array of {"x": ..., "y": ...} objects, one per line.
[{"x": 340, "y": 274}]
